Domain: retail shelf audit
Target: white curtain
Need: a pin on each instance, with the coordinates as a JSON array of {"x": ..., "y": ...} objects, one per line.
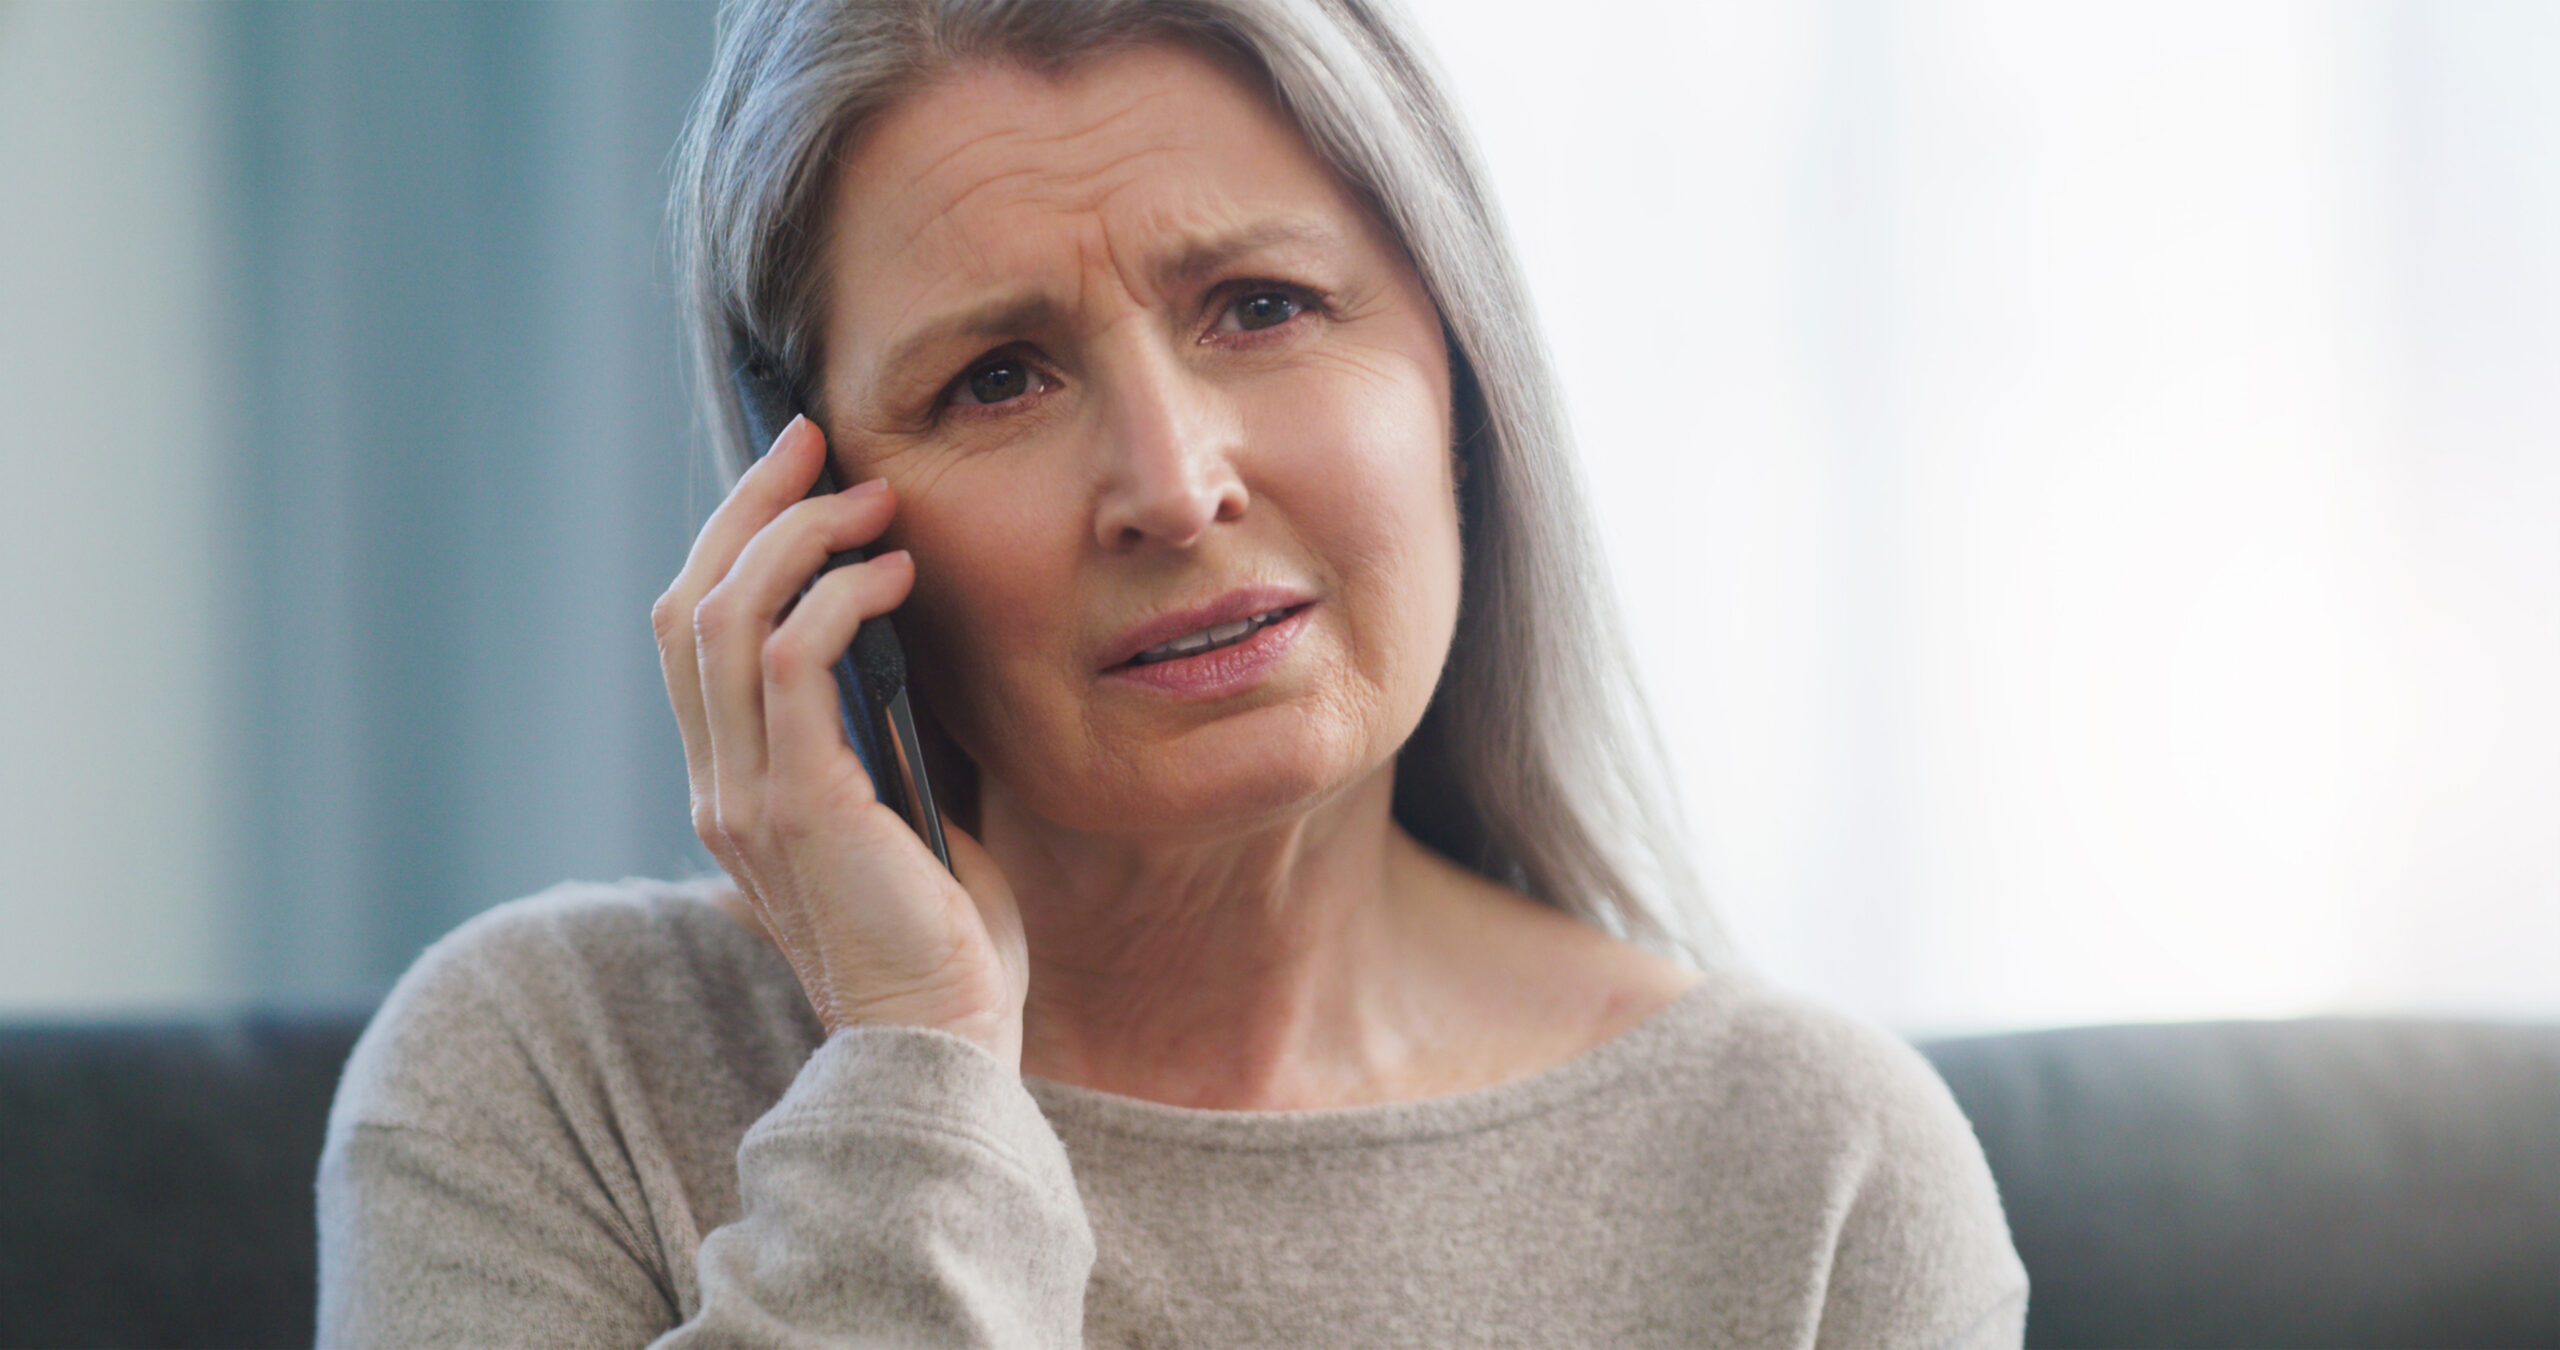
[
  {"x": 2084, "y": 480},
  {"x": 463, "y": 468}
]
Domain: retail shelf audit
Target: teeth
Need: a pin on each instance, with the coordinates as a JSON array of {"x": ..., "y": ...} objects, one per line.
[{"x": 1216, "y": 635}]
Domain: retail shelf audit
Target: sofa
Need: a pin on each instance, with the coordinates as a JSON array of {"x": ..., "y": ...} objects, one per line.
[{"x": 2327, "y": 1182}]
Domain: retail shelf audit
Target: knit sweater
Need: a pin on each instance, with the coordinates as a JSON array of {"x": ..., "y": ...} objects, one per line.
[{"x": 606, "y": 1116}]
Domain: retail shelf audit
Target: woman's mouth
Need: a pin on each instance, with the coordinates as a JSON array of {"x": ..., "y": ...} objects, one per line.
[
  {"x": 1212, "y": 637},
  {"x": 1211, "y": 656}
]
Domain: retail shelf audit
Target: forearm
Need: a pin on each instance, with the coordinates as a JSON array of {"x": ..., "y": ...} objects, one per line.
[{"x": 905, "y": 1192}]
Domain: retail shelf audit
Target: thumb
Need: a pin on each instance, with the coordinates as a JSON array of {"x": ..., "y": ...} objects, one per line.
[{"x": 985, "y": 882}]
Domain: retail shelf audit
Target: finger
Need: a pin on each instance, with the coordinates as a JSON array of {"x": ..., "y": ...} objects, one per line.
[
  {"x": 777, "y": 564},
  {"x": 768, "y": 488},
  {"x": 969, "y": 861},
  {"x": 804, "y": 716},
  {"x": 672, "y": 620},
  {"x": 998, "y": 912},
  {"x": 782, "y": 476},
  {"x": 985, "y": 882},
  {"x": 734, "y": 622}
]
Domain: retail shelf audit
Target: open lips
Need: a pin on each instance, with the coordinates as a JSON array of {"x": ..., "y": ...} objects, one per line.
[
  {"x": 1213, "y": 637},
  {"x": 1196, "y": 630}
]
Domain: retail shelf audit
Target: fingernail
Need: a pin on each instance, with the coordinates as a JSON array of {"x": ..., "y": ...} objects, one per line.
[{"x": 869, "y": 487}]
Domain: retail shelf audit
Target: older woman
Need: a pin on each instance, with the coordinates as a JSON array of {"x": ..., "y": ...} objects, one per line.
[{"x": 1289, "y": 985}]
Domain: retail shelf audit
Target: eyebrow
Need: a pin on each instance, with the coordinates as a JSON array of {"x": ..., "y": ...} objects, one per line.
[
  {"x": 1009, "y": 314},
  {"x": 1003, "y": 316},
  {"x": 1200, "y": 256}
]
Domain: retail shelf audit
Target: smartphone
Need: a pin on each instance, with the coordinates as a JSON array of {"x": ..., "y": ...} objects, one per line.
[{"x": 871, "y": 675}]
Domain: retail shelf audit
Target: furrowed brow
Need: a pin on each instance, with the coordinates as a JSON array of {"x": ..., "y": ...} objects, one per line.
[
  {"x": 1200, "y": 257},
  {"x": 1007, "y": 316},
  {"x": 1004, "y": 316}
]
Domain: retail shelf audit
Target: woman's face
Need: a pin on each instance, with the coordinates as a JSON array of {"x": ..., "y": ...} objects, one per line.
[{"x": 1142, "y": 374}]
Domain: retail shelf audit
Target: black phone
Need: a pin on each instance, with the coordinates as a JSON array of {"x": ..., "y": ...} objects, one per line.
[{"x": 871, "y": 675}]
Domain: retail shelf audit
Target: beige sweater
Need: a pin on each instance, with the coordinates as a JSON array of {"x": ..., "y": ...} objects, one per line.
[{"x": 606, "y": 1117}]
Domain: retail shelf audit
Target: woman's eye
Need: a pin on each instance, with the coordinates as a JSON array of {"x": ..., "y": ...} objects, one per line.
[
  {"x": 997, "y": 381},
  {"x": 1264, "y": 309}
]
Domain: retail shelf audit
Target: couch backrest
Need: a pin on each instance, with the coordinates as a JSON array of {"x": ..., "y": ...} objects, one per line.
[
  {"x": 2326, "y": 1182},
  {"x": 155, "y": 1180},
  {"x": 2331, "y": 1183}
]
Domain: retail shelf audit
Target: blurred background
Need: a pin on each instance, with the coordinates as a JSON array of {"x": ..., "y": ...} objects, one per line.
[{"x": 2084, "y": 481}]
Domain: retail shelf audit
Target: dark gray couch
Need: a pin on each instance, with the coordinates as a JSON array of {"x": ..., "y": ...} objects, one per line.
[
  {"x": 2313, "y": 1183},
  {"x": 2316, "y": 1183}
]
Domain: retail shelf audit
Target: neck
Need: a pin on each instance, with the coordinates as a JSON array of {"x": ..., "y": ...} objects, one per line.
[{"x": 1269, "y": 967}]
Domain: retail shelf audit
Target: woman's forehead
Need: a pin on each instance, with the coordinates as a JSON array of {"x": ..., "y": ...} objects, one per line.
[
  {"x": 1154, "y": 150},
  {"x": 1098, "y": 120}
]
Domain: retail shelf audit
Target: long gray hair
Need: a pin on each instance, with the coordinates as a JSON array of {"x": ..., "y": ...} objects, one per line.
[{"x": 1536, "y": 764}]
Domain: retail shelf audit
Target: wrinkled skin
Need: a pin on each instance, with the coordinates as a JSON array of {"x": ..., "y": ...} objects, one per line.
[{"x": 1107, "y": 346}]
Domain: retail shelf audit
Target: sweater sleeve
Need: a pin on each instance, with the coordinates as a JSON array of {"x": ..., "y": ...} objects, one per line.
[
  {"x": 906, "y": 1192},
  {"x": 495, "y": 1176}
]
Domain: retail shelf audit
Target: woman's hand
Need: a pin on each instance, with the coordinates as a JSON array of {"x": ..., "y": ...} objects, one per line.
[{"x": 877, "y": 930}]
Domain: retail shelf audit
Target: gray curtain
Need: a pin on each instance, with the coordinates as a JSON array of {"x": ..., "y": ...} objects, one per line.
[{"x": 465, "y": 467}]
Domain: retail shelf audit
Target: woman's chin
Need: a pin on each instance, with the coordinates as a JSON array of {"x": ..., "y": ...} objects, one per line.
[{"x": 1240, "y": 774}]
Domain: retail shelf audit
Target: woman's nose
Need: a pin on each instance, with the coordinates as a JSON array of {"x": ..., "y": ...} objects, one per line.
[{"x": 1172, "y": 448}]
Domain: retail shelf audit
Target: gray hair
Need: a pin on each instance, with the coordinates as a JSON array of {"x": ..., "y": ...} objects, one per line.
[{"x": 1536, "y": 764}]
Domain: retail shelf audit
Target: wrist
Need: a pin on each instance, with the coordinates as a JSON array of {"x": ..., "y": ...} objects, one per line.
[{"x": 998, "y": 1031}]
